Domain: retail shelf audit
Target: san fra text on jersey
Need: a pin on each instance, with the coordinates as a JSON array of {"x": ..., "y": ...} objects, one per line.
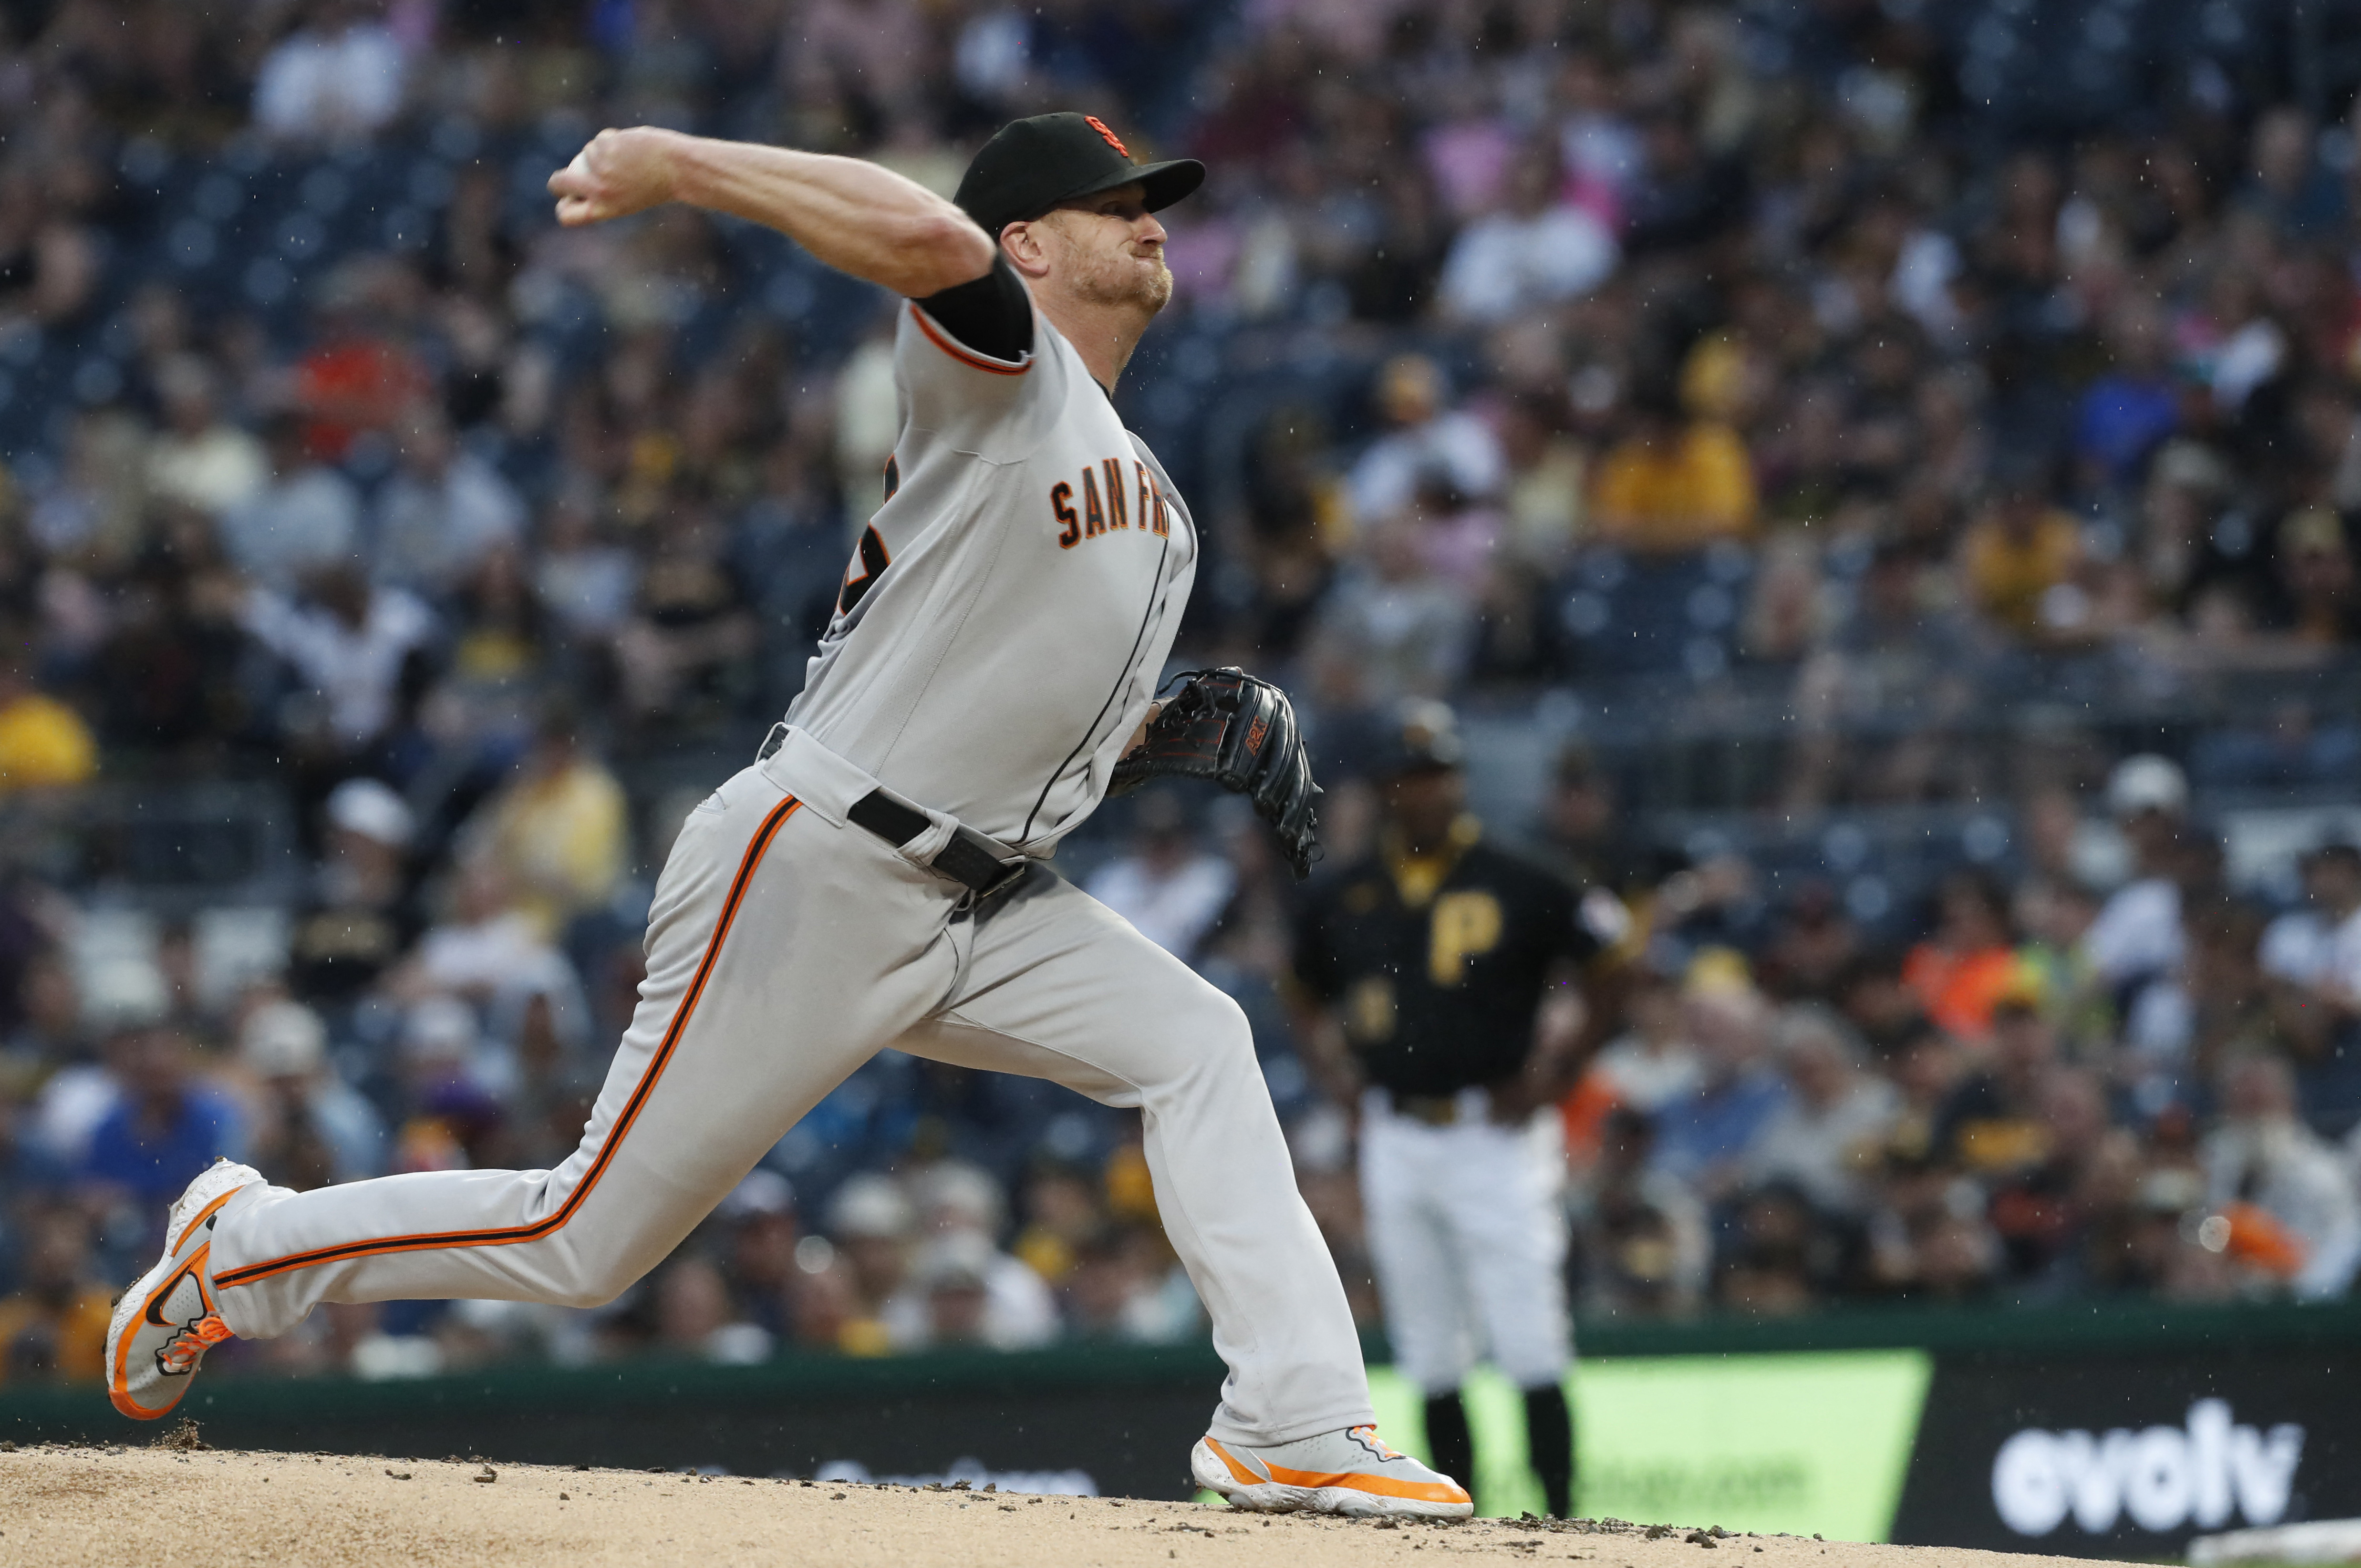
[{"x": 1098, "y": 516}]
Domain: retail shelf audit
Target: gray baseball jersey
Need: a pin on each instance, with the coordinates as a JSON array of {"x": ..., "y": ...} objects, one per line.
[
  {"x": 994, "y": 644},
  {"x": 1007, "y": 613}
]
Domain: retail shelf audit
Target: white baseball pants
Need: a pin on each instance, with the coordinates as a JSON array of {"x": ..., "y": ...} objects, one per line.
[
  {"x": 785, "y": 945},
  {"x": 1467, "y": 1241}
]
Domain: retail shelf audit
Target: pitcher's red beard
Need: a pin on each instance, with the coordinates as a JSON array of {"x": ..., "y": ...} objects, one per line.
[{"x": 1127, "y": 280}]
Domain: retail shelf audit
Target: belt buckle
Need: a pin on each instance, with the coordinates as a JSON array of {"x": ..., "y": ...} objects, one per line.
[
  {"x": 1435, "y": 1110},
  {"x": 972, "y": 900},
  {"x": 1009, "y": 877},
  {"x": 973, "y": 861}
]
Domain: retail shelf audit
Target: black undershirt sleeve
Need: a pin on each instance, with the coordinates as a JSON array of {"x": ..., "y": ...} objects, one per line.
[{"x": 991, "y": 315}]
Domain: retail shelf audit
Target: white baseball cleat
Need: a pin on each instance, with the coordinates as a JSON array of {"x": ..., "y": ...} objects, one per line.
[
  {"x": 164, "y": 1324},
  {"x": 1349, "y": 1471}
]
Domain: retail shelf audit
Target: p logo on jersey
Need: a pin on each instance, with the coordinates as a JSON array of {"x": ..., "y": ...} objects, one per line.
[{"x": 1112, "y": 139}]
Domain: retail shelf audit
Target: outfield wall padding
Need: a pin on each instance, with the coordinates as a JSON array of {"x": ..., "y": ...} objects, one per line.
[{"x": 2116, "y": 1430}]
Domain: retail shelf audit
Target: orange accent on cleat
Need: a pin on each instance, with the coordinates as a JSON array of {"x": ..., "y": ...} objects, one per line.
[
  {"x": 180, "y": 1357},
  {"x": 1255, "y": 1480},
  {"x": 164, "y": 1324}
]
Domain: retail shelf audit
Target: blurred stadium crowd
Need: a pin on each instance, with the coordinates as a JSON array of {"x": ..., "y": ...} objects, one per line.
[{"x": 1878, "y": 479}]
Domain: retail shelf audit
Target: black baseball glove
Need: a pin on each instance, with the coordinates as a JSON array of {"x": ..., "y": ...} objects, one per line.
[{"x": 1240, "y": 732}]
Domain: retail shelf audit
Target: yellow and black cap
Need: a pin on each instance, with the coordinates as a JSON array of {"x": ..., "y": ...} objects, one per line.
[{"x": 1031, "y": 165}]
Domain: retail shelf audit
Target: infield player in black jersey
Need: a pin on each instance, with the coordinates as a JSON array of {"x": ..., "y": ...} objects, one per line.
[{"x": 1438, "y": 980}]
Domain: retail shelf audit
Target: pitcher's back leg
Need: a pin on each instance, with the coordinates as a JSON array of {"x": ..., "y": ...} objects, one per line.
[{"x": 781, "y": 952}]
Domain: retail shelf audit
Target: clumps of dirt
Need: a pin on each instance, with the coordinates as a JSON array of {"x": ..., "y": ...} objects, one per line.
[
  {"x": 182, "y": 1439},
  {"x": 1712, "y": 1536}
]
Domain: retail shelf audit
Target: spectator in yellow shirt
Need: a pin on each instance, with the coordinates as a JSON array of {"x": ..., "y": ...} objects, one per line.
[
  {"x": 54, "y": 1326},
  {"x": 2019, "y": 550},
  {"x": 43, "y": 743},
  {"x": 560, "y": 831},
  {"x": 1673, "y": 483}
]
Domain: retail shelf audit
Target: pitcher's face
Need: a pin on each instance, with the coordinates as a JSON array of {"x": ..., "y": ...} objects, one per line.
[{"x": 1108, "y": 249}]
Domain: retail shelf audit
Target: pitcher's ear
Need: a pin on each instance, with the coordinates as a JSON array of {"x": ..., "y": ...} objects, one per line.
[{"x": 1022, "y": 244}]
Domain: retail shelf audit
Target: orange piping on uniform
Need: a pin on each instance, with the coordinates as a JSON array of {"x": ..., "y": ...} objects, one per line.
[
  {"x": 509, "y": 1236},
  {"x": 935, "y": 336}
]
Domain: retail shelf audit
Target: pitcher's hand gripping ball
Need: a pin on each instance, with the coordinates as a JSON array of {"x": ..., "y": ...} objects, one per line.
[{"x": 1240, "y": 732}]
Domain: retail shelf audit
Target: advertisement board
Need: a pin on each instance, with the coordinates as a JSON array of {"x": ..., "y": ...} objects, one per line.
[
  {"x": 2131, "y": 1456},
  {"x": 1806, "y": 1443},
  {"x": 2072, "y": 1453}
]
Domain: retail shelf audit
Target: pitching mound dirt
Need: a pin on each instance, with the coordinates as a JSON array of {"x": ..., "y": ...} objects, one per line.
[{"x": 158, "y": 1507}]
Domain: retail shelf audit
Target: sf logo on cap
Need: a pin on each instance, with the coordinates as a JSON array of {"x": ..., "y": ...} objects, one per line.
[{"x": 1112, "y": 139}]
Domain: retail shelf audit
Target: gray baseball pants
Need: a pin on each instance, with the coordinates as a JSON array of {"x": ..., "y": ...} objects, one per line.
[{"x": 786, "y": 945}]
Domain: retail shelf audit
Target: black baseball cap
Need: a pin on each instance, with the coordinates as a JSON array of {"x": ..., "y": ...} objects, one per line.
[
  {"x": 1424, "y": 740},
  {"x": 1030, "y": 166}
]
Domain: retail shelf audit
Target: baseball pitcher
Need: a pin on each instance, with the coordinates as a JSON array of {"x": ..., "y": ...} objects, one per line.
[{"x": 874, "y": 878}]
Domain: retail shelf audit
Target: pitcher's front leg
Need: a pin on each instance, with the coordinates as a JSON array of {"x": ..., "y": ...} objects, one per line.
[{"x": 1058, "y": 986}]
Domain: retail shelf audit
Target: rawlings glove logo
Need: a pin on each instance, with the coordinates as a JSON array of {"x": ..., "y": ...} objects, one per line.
[{"x": 1240, "y": 732}]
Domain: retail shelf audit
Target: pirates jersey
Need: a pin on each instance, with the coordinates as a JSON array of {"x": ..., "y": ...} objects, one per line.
[
  {"x": 1437, "y": 986},
  {"x": 1007, "y": 613}
]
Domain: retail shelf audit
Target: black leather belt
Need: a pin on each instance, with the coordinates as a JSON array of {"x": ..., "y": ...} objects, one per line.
[{"x": 968, "y": 858}]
